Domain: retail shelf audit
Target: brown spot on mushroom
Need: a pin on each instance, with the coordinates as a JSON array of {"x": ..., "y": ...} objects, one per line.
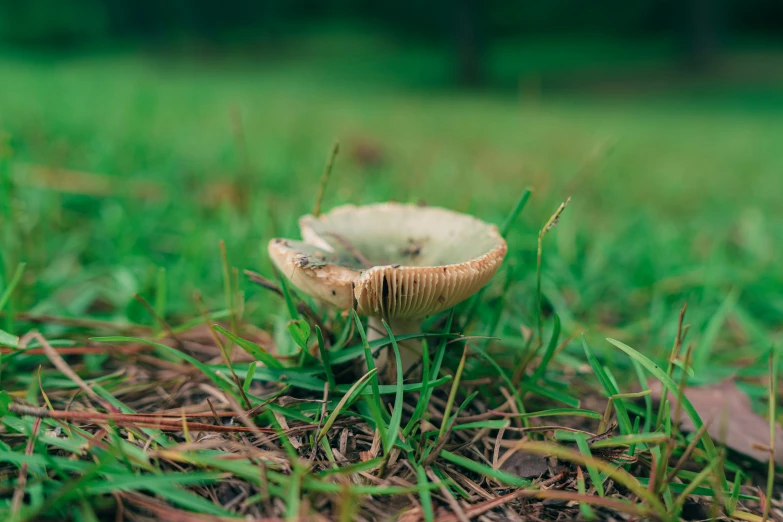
[
  {"x": 441, "y": 299},
  {"x": 301, "y": 260},
  {"x": 413, "y": 250}
]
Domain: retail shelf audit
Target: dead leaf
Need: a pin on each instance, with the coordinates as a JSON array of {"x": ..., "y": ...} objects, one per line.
[
  {"x": 730, "y": 419},
  {"x": 524, "y": 464}
]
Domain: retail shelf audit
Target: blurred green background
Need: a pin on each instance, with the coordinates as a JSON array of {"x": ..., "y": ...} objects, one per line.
[{"x": 139, "y": 134}]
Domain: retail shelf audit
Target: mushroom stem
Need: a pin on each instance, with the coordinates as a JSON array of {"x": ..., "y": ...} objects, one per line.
[{"x": 410, "y": 351}]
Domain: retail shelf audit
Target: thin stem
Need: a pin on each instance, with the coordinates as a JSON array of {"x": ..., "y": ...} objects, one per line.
[
  {"x": 553, "y": 220},
  {"x": 325, "y": 177}
]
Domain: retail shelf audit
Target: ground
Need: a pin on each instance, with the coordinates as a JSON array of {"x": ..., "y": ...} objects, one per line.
[{"x": 138, "y": 188}]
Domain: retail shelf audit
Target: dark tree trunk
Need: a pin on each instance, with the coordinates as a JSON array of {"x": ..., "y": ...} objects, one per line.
[
  {"x": 470, "y": 40},
  {"x": 700, "y": 33}
]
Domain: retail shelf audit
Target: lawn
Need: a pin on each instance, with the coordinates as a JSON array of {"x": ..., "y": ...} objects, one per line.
[{"x": 121, "y": 174}]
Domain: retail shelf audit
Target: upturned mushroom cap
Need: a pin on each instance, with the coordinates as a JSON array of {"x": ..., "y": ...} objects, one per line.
[{"x": 391, "y": 260}]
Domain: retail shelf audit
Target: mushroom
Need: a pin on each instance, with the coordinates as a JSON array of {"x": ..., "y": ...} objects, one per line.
[{"x": 391, "y": 261}]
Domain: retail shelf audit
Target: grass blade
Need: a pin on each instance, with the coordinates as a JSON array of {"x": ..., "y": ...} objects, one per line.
[
  {"x": 325, "y": 359},
  {"x": 487, "y": 471},
  {"x": 429, "y": 377},
  {"x": 354, "y": 352},
  {"x": 671, "y": 386},
  {"x": 550, "y": 350},
  {"x": 5, "y": 297},
  {"x": 424, "y": 494},
  {"x": 345, "y": 402},
  {"x": 254, "y": 350},
  {"x": 504, "y": 376},
  {"x": 374, "y": 400},
  {"x": 251, "y": 371},
  {"x": 453, "y": 392},
  {"x": 618, "y": 474},
  {"x": 396, "y": 417},
  {"x": 160, "y": 298},
  {"x": 609, "y": 388},
  {"x": 368, "y": 358},
  {"x": 505, "y": 228},
  {"x": 701, "y": 354},
  {"x": 595, "y": 476},
  {"x": 586, "y": 510}
]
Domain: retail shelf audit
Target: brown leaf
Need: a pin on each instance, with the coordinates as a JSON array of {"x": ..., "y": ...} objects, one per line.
[
  {"x": 730, "y": 418},
  {"x": 524, "y": 464}
]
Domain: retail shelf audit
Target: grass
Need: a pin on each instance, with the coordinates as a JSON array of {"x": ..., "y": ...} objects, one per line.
[{"x": 126, "y": 181}]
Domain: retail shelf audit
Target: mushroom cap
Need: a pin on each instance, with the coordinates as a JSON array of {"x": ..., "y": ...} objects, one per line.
[{"x": 391, "y": 260}]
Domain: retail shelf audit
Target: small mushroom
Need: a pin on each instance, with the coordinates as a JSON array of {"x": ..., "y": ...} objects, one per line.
[{"x": 362, "y": 257}]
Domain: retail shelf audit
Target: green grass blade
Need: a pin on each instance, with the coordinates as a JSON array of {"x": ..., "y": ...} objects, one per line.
[
  {"x": 191, "y": 501},
  {"x": 153, "y": 483},
  {"x": 254, "y": 350},
  {"x": 325, "y": 360},
  {"x": 734, "y": 495},
  {"x": 369, "y": 360},
  {"x": 345, "y": 402},
  {"x": 627, "y": 440},
  {"x": 485, "y": 471},
  {"x": 396, "y": 417},
  {"x": 160, "y": 297},
  {"x": 354, "y": 352},
  {"x": 9, "y": 340},
  {"x": 703, "y": 351},
  {"x": 453, "y": 392},
  {"x": 550, "y": 350},
  {"x": 587, "y": 511},
  {"x": 649, "y": 415},
  {"x": 671, "y": 386},
  {"x": 350, "y": 469},
  {"x": 251, "y": 371},
  {"x": 5, "y": 297},
  {"x": 289, "y": 300},
  {"x": 503, "y": 375},
  {"x": 429, "y": 378},
  {"x": 294, "y": 497},
  {"x": 595, "y": 476},
  {"x": 505, "y": 228},
  {"x": 566, "y": 412},
  {"x": 552, "y": 394},
  {"x": 424, "y": 494},
  {"x": 703, "y": 475},
  {"x": 374, "y": 400},
  {"x": 618, "y": 474},
  {"x": 9, "y": 289},
  {"x": 609, "y": 388}
]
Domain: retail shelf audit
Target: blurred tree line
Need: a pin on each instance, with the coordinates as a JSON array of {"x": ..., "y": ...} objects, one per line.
[{"x": 468, "y": 26}]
